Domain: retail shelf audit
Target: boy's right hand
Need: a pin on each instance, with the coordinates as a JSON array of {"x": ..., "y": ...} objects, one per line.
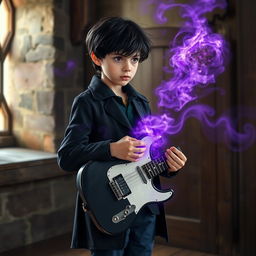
[{"x": 128, "y": 148}]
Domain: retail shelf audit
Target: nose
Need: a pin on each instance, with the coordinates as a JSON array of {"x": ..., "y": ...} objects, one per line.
[{"x": 127, "y": 66}]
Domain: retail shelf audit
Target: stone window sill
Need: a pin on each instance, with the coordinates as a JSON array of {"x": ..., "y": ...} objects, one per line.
[{"x": 19, "y": 165}]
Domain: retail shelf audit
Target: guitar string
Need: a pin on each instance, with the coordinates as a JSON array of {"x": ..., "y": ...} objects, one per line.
[
  {"x": 134, "y": 177},
  {"x": 131, "y": 175},
  {"x": 153, "y": 167},
  {"x": 155, "y": 171}
]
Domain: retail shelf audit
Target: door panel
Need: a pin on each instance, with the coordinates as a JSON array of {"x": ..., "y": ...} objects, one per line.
[{"x": 191, "y": 213}]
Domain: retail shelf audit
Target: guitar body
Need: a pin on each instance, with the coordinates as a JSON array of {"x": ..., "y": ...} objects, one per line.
[{"x": 114, "y": 192}]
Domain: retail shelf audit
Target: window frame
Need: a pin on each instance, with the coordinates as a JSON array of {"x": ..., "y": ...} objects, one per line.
[{"x": 6, "y": 137}]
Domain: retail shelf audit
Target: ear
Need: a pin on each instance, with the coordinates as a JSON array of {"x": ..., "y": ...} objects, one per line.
[{"x": 95, "y": 59}]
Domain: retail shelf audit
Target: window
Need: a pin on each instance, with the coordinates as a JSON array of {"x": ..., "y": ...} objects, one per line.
[{"x": 6, "y": 35}]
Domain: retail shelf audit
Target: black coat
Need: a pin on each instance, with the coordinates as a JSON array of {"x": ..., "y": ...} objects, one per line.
[{"x": 95, "y": 121}]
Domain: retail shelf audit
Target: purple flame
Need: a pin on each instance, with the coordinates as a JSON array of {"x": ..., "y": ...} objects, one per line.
[{"x": 198, "y": 56}]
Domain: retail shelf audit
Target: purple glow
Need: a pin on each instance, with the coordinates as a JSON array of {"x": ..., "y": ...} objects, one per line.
[
  {"x": 197, "y": 60},
  {"x": 158, "y": 126},
  {"x": 65, "y": 71},
  {"x": 198, "y": 56}
]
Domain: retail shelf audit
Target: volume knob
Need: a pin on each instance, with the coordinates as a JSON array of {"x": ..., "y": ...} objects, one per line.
[{"x": 115, "y": 219}]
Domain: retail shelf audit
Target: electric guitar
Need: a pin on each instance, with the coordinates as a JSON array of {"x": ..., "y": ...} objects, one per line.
[{"x": 114, "y": 192}]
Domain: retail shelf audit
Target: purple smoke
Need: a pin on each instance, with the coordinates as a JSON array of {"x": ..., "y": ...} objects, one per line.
[
  {"x": 197, "y": 60},
  {"x": 198, "y": 56},
  {"x": 158, "y": 126}
]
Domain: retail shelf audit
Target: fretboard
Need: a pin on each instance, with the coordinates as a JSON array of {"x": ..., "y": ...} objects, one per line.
[{"x": 155, "y": 167}]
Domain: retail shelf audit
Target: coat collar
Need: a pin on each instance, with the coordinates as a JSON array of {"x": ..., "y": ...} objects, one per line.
[{"x": 101, "y": 91}]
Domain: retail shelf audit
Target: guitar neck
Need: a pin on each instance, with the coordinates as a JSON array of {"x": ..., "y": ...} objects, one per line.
[{"x": 155, "y": 167}]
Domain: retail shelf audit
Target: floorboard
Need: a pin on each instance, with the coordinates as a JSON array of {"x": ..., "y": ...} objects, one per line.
[{"x": 59, "y": 246}]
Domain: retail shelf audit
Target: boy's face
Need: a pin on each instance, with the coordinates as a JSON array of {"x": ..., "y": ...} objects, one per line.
[{"x": 118, "y": 70}]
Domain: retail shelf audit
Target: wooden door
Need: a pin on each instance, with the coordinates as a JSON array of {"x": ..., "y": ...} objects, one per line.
[{"x": 192, "y": 214}]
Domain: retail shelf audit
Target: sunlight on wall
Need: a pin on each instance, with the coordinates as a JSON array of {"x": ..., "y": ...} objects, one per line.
[
  {"x": 3, "y": 22},
  {"x": 1, "y": 119},
  {"x": 3, "y": 34}
]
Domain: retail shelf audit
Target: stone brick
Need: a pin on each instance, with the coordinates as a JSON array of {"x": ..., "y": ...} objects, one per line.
[
  {"x": 34, "y": 16},
  {"x": 29, "y": 76},
  {"x": 48, "y": 143},
  {"x": 30, "y": 139},
  {"x": 64, "y": 191},
  {"x": 39, "y": 123},
  {"x": 12, "y": 235},
  {"x": 48, "y": 225},
  {"x": 45, "y": 102},
  {"x": 17, "y": 118},
  {"x": 49, "y": 77},
  {"x": 42, "y": 52},
  {"x": 21, "y": 45},
  {"x": 48, "y": 25},
  {"x": 45, "y": 39},
  {"x": 26, "y": 202},
  {"x": 26, "y": 101}
]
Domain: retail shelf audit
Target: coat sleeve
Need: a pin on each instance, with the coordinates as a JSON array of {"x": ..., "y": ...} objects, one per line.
[{"x": 76, "y": 149}]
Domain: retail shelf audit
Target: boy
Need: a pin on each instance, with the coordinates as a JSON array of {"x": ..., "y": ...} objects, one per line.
[{"x": 101, "y": 121}]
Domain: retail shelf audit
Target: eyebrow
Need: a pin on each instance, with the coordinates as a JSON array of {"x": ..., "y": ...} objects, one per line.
[{"x": 132, "y": 55}]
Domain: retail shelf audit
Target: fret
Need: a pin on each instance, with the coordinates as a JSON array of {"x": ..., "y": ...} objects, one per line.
[
  {"x": 144, "y": 168},
  {"x": 155, "y": 167},
  {"x": 150, "y": 173},
  {"x": 157, "y": 162},
  {"x": 161, "y": 163},
  {"x": 164, "y": 164},
  {"x": 161, "y": 160}
]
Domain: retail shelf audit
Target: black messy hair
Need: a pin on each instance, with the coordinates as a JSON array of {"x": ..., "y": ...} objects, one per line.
[{"x": 117, "y": 35}]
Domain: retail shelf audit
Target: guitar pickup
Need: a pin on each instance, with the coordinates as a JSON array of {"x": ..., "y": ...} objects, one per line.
[{"x": 120, "y": 187}]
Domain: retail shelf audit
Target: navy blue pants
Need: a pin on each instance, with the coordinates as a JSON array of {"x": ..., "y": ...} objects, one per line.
[{"x": 139, "y": 238}]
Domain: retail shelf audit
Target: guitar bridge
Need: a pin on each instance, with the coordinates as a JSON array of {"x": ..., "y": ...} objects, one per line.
[{"x": 119, "y": 187}]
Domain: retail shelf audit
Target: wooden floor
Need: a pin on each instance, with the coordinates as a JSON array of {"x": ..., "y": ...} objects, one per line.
[{"x": 59, "y": 246}]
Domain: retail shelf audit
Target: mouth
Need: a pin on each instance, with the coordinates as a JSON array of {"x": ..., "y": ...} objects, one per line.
[{"x": 125, "y": 78}]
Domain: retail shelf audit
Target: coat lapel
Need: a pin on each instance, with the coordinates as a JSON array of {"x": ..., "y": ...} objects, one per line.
[
  {"x": 100, "y": 91},
  {"x": 112, "y": 108},
  {"x": 139, "y": 108}
]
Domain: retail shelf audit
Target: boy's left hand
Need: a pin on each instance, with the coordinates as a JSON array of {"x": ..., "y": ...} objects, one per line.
[{"x": 175, "y": 159}]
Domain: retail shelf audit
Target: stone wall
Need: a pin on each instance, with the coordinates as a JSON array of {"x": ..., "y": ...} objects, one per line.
[
  {"x": 35, "y": 211},
  {"x": 44, "y": 72}
]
